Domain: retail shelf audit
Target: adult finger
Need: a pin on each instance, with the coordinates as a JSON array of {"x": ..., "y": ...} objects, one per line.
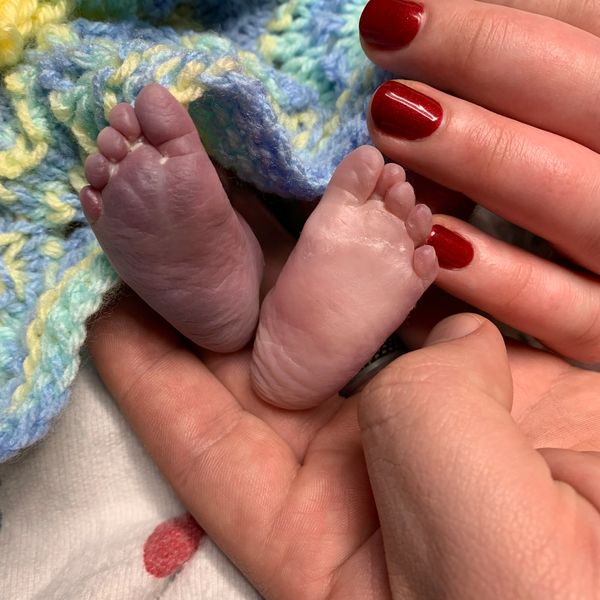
[
  {"x": 193, "y": 428},
  {"x": 557, "y": 306},
  {"x": 529, "y": 67},
  {"x": 583, "y": 15},
  {"x": 468, "y": 508},
  {"x": 529, "y": 176},
  {"x": 581, "y": 470}
]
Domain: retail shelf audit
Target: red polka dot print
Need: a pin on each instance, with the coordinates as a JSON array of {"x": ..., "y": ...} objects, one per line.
[{"x": 171, "y": 545}]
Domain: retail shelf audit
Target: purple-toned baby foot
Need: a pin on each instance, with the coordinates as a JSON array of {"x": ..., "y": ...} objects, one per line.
[
  {"x": 159, "y": 211},
  {"x": 357, "y": 271}
]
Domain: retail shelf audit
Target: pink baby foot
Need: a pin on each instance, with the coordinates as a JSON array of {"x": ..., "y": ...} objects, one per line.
[
  {"x": 159, "y": 211},
  {"x": 349, "y": 283}
]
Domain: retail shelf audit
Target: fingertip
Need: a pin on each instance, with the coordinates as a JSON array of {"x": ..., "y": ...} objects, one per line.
[{"x": 455, "y": 327}]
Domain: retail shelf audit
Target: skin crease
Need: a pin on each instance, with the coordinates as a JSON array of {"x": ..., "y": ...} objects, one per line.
[
  {"x": 147, "y": 188},
  {"x": 205, "y": 279},
  {"x": 437, "y": 457},
  {"x": 303, "y": 351}
]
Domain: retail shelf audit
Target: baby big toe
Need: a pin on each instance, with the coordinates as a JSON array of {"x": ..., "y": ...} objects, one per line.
[
  {"x": 166, "y": 124},
  {"x": 400, "y": 199},
  {"x": 97, "y": 171},
  {"x": 123, "y": 118},
  {"x": 357, "y": 176},
  {"x": 112, "y": 144}
]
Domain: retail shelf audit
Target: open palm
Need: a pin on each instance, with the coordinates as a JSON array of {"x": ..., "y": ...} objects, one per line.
[{"x": 287, "y": 495}]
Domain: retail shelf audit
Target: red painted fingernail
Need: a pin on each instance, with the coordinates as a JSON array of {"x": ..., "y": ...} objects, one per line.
[
  {"x": 403, "y": 112},
  {"x": 453, "y": 250},
  {"x": 390, "y": 24}
]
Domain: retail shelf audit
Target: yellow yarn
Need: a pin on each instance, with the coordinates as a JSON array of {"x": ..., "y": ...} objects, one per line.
[
  {"x": 77, "y": 179},
  {"x": 6, "y": 196},
  {"x": 22, "y": 19},
  {"x": 186, "y": 88},
  {"x": 223, "y": 65},
  {"x": 20, "y": 158},
  {"x": 130, "y": 64},
  {"x": 53, "y": 249},
  {"x": 167, "y": 67},
  {"x": 84, "y": 140},
  {"x": 11, "y": 245},
  {"x": 283, "y": 19},
  {"x": 110, "y": 100},
  {"x": 37, "y": 326},
  {"x": 61, "y": 213}
]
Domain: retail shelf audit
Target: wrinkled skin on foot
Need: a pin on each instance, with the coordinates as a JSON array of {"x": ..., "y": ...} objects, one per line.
[
  {"x": 351, "y": 280},
  {"x": 477, "y": 512},
  {"x": 158, "y": 208},
  {"x": 286, "y": 494},
  {"x": 159, "y": 211}
]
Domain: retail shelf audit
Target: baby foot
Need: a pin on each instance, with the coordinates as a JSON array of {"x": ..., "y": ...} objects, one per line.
[
  {"x": 349, "y": 283},
  {"x": 159, "y": 211}
]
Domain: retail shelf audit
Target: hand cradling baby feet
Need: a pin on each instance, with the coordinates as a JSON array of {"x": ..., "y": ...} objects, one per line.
[{"x": 159, "y": 211}]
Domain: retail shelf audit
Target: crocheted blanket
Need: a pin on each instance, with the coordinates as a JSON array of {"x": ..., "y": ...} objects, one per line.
[{"x": 278, "y": 90}]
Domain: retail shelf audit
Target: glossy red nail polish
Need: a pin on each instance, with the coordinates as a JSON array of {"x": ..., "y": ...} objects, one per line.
[
  {"x": 403, "y": 112},
  {"x": 390, "y": 24},
  {"x": 453, "y": 250}
]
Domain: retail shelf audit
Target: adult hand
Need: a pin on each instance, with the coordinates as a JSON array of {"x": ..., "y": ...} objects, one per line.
[
  {"x": 515, "y": 129},
  {"x": 468, "y": 508}
]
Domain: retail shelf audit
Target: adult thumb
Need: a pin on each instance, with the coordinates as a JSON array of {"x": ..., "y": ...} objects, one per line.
[{"x": 450, "y": 471}]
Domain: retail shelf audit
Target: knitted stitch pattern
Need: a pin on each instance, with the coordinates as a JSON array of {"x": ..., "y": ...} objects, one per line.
[{"x": 278, "y": 90}]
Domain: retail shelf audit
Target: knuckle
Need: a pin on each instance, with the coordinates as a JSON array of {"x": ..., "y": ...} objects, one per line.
[
  {"x": 498, "y": 148},
  {"x": 408, "y": 382},
  {"x": 525, "y": 281},
  {"x": 589, "y": 240},
  {"x": 581, "y": 10},
  {"x": 521, "y": 281},
  {"x": 586, "y": 339},
  {"x": 480, "y": 38}
]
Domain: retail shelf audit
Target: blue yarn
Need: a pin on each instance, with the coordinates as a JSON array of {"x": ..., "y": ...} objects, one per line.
[{"x": 271, "y": 112}]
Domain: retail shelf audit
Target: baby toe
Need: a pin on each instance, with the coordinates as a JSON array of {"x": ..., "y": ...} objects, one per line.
[
  {"x": 112, "y": 144},
  {"x": 123, "y": 118},
  {"x": 400, "y": 199},
  {"x": 418, "y": 223},
  {"x": 165, "y": 123},
  {"x": 356, "y": 177},
  {"x": 425, "y": 264},
  {"x": 391, "y": 175},
  {"x": 97, "y": 170},
  {"x": 91, "y": 204}
]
